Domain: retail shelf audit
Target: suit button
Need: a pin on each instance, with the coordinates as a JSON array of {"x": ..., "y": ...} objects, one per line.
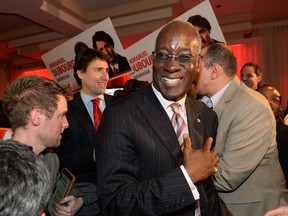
[
  {"x": 168, "y": 208},
  {"x": 172, "y": 207},
  {"x": 182, "y": 202}
]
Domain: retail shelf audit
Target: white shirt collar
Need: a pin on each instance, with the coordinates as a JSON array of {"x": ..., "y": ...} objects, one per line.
[{"x": 165, "y": 103}]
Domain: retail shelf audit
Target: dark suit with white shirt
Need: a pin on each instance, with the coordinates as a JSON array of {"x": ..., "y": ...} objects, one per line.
[
  {"x": 139, "y": 158},
  {"x": 123, "y": 65},
  {"x": 78, "y": 141}
]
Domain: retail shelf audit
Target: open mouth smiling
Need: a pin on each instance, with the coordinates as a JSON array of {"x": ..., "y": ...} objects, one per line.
[{"x": 171, "y": 80}]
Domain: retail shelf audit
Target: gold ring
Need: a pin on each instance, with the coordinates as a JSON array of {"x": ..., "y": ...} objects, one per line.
[{"x": 215, "y": 169}]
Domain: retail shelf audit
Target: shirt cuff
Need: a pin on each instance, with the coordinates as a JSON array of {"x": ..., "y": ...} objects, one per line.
[{"x": 193, "y": 188}]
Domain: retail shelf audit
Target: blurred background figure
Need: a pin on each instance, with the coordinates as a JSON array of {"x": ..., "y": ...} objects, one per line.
[
  {"x": 285, "y": 115},
  {"x": 134, "y": 85},
  {"x": 274, "y": 98},
  {"x": 25, "y": 182},
  {"x": 4, "y": 122},
  {"x": 80, "y": 47},
  {"x": 118, "y": 93},
  {"x": 69, "y": 93},
  {"x": 251, "y": 75},
  {"x": 204, "y": 28}
]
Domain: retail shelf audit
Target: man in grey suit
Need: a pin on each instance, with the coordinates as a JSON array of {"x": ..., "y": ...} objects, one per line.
[
  {"x": 250, "y": 180},
  {"x": 141, "y": 169}
]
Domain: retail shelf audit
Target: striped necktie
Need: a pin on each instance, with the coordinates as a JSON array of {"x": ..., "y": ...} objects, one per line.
[
  {"x": 179, "y": 126},
  {"x": 177, "y": 121}
]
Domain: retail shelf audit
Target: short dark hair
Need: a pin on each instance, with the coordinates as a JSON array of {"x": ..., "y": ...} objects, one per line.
[
  {"x": 29, "y": 92},
  {"x": 83, "y": 59},
  {"x": 271, "y": 86},
  {"x": 102, "y": 36},
  {"x": 200, "y": 21},
  {"x": 25, "y": 181},
  {"x": 133, "y": 85},
  {"x": 80, "y": 47}
]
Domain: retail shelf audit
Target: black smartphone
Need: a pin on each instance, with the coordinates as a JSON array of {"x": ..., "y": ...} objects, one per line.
[{"x": 62, "y": 188}]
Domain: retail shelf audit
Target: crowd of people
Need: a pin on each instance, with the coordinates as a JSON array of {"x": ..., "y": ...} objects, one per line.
[{"x": 155, "y": 150}]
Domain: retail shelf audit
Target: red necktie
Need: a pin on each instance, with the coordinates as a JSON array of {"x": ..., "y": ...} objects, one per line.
[
  {"x": 115, "y": 70},
  {"x": 97, "y": 113}
]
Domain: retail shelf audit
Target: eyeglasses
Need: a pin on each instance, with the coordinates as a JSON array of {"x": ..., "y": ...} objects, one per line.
[{"x": 183, "y": 59}]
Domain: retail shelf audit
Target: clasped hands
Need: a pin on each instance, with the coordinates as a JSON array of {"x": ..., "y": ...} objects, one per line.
[{"x": 199, "y": 163}]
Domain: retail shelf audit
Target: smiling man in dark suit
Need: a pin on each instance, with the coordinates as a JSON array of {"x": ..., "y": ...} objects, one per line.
[
  {"x": 77, "y": 150},
  {"x": 141, "y": 168}
]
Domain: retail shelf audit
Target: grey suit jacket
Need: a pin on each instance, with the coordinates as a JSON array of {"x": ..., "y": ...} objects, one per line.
[
  {"x": 139, "y": 158},
  {"x": 250, "y": 179}
]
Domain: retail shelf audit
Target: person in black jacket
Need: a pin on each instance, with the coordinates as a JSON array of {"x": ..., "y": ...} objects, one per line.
[
  {"x": 77, "y": 150},
  {"x": 143, "y": 166},
  {"x": 274, "y": 98}
]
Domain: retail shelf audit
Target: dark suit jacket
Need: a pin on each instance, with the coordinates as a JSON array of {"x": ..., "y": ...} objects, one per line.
[
  {"x": 282, "y": 145},
  {"x": 139, "y": 158},
  {"x": 123, "y": 65},
  {"x": 78, "y": 141}
]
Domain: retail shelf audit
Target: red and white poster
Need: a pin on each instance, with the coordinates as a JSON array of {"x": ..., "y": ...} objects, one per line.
[
  {"x": 140, "y": 53},
  {"x": 60, "y": 60}
]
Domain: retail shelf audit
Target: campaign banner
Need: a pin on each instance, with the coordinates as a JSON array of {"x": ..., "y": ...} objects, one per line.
[
  {"x": 140, "y": 53},
  {"x": 60, "y": 60}
]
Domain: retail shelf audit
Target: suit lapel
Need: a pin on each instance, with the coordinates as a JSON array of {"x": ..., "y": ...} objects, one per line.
[
  {"x": 193, "y": 109},
  {"x": 194, "y": 123},
  {"x": 80, "y": 113},
  {"x": 227, "y": 96},
  {"x": 108, "y": 99},
  {"x": 159, "y": 121}
]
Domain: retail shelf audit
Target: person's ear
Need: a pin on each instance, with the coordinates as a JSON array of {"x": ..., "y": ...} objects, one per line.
[
  {"x": 35, "y": 116},
  {"x": 80, "y": 74},
  {"x": 216, "y": 71},
  {"x": 199, "y": 64}
]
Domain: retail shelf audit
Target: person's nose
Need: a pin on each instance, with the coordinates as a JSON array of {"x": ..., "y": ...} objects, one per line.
[
  {"x": 270, "y": 101},
  {"x": 105, "y": 76},
  {"x": 172, "y": 65},
  {"x": 106, "y": 51},
  {"x": 65, "y": 123},
  {"x": 202, "y": 36}
]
